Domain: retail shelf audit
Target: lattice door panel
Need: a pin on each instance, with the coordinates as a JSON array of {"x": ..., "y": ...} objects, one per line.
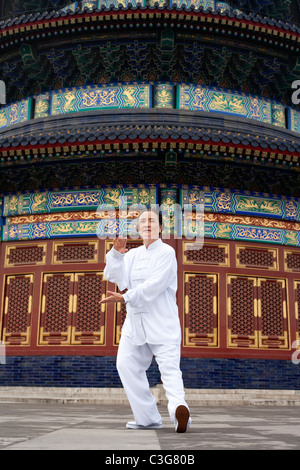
[
  {"x": 272, "y": 313},
  {"x": 17, "y": 310},
  {"x": 200, "y": 310},
  {"x": 88, "y": 325},
  {"x": 56, "y": 309},
  {"x": 242, "y": 322},
  {"x": 257, "y": 313},
  {"x": 297, "y": 308}
]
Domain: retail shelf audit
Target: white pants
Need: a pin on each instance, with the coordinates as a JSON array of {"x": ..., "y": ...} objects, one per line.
[{"x": 132, "y": 363}]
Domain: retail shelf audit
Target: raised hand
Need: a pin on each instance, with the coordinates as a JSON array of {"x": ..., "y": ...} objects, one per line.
[
  {"x": 112, "y": 297},
  {"x": 120, "y": 244}
]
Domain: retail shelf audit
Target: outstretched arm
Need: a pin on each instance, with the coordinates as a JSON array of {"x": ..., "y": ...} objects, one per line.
[
  {"x": 116, "y": 265},
  {"x": 112, "y": 297}
]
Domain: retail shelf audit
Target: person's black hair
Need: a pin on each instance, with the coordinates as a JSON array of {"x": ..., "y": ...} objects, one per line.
[{"x": 157, "y": 212}]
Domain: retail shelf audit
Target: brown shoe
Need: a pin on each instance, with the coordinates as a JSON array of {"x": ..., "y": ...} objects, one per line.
[{"x": 182, "y": 419}]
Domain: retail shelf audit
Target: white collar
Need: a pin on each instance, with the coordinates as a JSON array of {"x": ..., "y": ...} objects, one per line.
[{"x": 154, "y": 245}]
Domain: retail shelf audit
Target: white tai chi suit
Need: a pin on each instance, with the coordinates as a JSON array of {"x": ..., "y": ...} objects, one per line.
[{"x": 151, "y": 326}]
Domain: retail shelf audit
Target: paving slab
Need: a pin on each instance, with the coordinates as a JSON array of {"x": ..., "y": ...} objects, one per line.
[
  {"x": 56, "y": 426},
  {"x": 90, "y": 439}
]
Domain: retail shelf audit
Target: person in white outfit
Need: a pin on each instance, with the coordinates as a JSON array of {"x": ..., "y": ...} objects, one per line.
[{"x": 152, "y": 326}]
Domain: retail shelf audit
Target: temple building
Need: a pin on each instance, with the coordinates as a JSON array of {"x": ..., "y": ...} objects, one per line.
[{"x": 181, "y": 104}]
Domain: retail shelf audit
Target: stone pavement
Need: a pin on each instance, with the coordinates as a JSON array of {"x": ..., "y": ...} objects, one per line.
[{"x": 71, "y": 426}]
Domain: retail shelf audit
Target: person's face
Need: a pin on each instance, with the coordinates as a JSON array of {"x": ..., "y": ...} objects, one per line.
[{"x": 148, "y": 225}]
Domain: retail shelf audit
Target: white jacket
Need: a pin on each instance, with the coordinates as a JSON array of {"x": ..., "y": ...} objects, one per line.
[{"x": 150, "y": 275}]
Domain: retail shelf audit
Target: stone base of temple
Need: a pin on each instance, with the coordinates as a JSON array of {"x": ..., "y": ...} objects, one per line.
[{"x": 117, "y": 396}]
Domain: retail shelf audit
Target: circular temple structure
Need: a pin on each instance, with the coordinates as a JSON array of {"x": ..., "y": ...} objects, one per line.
[{"x": 107, "y": 106}]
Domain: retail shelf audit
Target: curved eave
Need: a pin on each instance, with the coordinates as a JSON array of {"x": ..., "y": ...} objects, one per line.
[
  {"x": 60, "y": 21},
  {"x": 202, "y": 135},
  {"x": 252, "y": 54}
]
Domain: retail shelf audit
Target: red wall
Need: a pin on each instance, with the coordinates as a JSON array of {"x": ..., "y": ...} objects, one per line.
[{"x": 235, "y": 299}]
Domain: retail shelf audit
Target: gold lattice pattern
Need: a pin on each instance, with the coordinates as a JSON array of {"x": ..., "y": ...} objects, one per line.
[
  {"x": 71, "y": 313},
  {"x": 201, "y": 310},
  {"x": 210, "y": 254},
  {"x": 25, "y": 255},
  {"x": 257, "y": 257},
  {"x": 75, "y": 252},
  {"x": 293, "y": 261},
  {"x": 88, "y": 317},
  {"x": 297, "y": 307},
  {"x": 257, "y": 313},
  {"x": 242, "y": 307},
  {"x": 18, "y": 309}
]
